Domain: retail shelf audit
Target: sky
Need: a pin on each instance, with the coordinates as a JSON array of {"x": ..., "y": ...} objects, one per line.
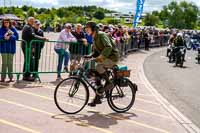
[{"x": 124, "y": 6}]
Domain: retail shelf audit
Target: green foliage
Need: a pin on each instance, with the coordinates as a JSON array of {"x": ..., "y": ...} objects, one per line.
[
  {"x": 53, "y": 16},
  {"x": 113, "y": 21},
  {"x": 99, "y": 15},
  {"x": 181, "y": 15},
  {"x": 25, "y": 8},
  {"x": 2, "y": 11},
  {"x": 31, "y": 12},
  {"x": 151, "y": 20},
  {"x": 19, "y": 13}
]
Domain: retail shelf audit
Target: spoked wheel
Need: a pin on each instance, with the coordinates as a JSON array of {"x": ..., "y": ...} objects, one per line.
[
  {"x": 71, "y": 95},
  {"x": 170, "y": 60},
  {"x": 181, "y": 61},
  {"x": 121, "y": 99},
  {"x": 198, "y": 59},
  {"x": 177, "y": 61}
]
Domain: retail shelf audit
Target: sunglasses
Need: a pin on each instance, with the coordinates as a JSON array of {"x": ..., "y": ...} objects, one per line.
[{"x": 6, "y": 22}]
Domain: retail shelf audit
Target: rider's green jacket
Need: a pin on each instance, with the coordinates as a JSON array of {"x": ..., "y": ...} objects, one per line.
[{"x": 104, "y": 45}]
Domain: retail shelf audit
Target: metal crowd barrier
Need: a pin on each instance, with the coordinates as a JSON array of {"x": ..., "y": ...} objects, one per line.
[
  {"x": 127, "y": 46},
  {"x": 156, "y": 41},
  {"x": 131, "y": 45},
  {"x": 165, "y": 39},
  {"x": 45, "y": 59}
]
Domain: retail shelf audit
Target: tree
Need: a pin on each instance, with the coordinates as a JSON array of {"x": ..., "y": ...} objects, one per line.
[
  {"x": 156, "y": 13},
  {"x": 183, "y": 15},
  {"x": 73, "y": 14},
  {"x": 19, "y": 13},
  {"x": 2, "y": 11},
  {"x": 31, "y": 12},
  {"x": 61, "y": 12},
  {"x": 151, "y": 20},
  {"x": 99, "y": 15},
  {"x": 25, "y": 8}
]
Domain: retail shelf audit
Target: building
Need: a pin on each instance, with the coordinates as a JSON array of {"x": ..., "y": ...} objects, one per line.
[{"x": 128, "y": 18}]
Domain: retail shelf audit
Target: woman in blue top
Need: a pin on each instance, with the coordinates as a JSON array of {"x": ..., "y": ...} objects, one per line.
[{"x": 8, "y": 37}]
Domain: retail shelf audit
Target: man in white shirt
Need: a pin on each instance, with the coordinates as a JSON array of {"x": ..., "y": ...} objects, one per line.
[{"x": 62, "y": 48}]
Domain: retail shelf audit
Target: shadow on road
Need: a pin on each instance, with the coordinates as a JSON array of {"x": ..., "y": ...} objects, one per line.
[
  {"x": 184, "y": 67},
  {"x": 56, "y": 82},
  {"x": 24, "y": 85},
  {"x": 4, "y": 85},
  {"x": 96, "y": 118}
]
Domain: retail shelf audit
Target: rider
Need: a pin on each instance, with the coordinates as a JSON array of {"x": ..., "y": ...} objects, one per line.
[
  {"x": 171, "y": 39},
  {"x": 179, "y": 41},
  {"x": 171, "y": 44},
  {"x": 106, "y": 56}
]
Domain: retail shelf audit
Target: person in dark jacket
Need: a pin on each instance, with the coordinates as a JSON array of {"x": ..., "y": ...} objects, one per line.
[
  {"x": 36, "y": 48},
  {"x": 8, "y": 37},
  {"x": 146, "y": 40},
  {"x": 77, "y": 51},
  {"x": 28, "y": 35}
]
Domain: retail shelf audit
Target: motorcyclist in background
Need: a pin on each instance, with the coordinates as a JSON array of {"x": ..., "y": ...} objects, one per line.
[
  {"x": 171, "y": 43},
  {"x": 179, "y": 41}
]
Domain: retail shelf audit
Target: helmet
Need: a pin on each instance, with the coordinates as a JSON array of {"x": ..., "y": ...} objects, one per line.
[
  {"x": 180, "y": 34},
  {"x": 92, "y": 25}
]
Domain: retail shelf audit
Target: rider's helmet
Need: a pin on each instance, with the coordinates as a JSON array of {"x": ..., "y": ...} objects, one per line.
[
  {"x": 179, "y": 35},
  {"x": 92, "y": 25}
]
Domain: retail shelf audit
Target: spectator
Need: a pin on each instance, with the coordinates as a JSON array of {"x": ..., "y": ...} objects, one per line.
[
  {"x": 139, "y": 38},
  {"x": 106, "y": 29},
  {"x": 120, "y": 40},
  {"x": 126, "y": 39},
  {"x": 147, "y": 40},
  {"x": 28, "y": 35},
  {"x": 9, "y": 36},
  {"x": 62, "y": 49},
  {"x": 89, "y": 39},
  {"x": 161, "y": 37},
  {"x": 100, "y": 26},
  {"x": 36, "y": 48},
  {"x": 80, "y": 36},
  {"x": 133, "y": 36}
]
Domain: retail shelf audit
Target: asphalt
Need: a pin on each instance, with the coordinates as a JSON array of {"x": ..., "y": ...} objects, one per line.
[{"x": 180, "y": 86}]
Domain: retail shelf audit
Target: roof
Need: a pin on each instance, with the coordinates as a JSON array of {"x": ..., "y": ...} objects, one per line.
[{"x": 10, "y": 16}]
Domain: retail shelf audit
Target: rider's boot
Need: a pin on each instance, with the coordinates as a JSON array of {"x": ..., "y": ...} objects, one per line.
[
  {"x": 97, "y": 100},
  {"x": 108, "y": 85}
]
